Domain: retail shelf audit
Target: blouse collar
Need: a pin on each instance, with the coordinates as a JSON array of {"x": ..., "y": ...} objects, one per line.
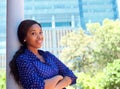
[{"x": 32, "y": 55}]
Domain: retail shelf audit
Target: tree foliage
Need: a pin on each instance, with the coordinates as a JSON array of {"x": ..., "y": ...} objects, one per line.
[
  {"x": 95, "y": 55},
  {"x": 2, "y": 80},
  {"x": 107, "y": 41},
  {"x": 111, "y": 79},
  {"x": 108, "y": 79},
  {"x": 75, "y": 44},
  {"x": 91, "y": 50}
]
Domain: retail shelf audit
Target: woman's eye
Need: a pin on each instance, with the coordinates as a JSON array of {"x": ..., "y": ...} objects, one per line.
[
  {"x": 33, "y": 33},
  {"x": 40, "y": 32}
]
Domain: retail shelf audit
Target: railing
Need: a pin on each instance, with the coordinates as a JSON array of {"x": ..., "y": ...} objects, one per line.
[
  {"x": 51, "y": 43},
  {"x": 3, "y": 61},
  {"x": 52, "y": 40},
  {"x": 2, "y": 51}
]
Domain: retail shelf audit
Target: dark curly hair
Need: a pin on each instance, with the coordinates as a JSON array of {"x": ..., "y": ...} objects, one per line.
[{"x": 21, "y": 33}]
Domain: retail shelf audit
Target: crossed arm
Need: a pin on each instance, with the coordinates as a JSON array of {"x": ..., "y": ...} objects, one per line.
[{"x": 57, "y": 82}]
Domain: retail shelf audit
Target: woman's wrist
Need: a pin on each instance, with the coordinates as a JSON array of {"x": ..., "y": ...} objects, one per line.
[
  {"x": 51, "y": 83},
  {"x": 66, "y": 81}
]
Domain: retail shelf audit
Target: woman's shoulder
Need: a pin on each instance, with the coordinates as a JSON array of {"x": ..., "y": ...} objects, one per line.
[
  {"x": 47, "y": 53},
  {"x": 24, "y": 56}
]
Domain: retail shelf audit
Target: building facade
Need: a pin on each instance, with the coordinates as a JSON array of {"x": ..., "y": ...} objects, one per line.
[
  {"x": 70, "y": 13},
  {"x": 97, "y": 10},
  {"x": 2, "y": 27},
  {"x": 2, "y": 16},
  {"x": 2, "y": 34},
  {"x": 53, "y": 13}
]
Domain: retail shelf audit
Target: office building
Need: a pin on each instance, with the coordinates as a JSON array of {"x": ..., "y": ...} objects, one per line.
[
  {"x": 2, "y": 27},
  {"x": 53, "y": 13},
  {"x": 97, "y": 10},
  {"x": 2, "y": 34},
  {"x": 70, "y": 13}
]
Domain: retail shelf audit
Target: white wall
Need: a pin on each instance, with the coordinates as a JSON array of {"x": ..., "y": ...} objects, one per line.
[{"x": 15, "y": 13}]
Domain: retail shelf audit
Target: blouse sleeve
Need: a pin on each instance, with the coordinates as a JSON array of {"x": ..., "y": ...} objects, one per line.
[
  {"x": 63, "y": 69},
  {"x": 28, "y": 75}
]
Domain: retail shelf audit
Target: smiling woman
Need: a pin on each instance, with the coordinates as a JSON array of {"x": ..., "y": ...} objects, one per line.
[
  {"x": 34, "y": 37},
  {"x": 37, "y": 69}
]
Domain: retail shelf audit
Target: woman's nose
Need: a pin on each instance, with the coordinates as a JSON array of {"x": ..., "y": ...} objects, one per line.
[{"x": 39, "y": 36}]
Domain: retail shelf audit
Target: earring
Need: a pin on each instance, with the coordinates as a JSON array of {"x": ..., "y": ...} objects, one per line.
[{"x": 24, "y": 40}]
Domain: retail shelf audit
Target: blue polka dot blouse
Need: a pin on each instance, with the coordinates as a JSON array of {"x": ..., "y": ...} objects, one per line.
[{"x": 33, "y": 72}]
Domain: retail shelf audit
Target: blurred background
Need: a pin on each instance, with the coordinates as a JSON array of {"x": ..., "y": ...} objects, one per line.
[{"x": 84, "y": 34}]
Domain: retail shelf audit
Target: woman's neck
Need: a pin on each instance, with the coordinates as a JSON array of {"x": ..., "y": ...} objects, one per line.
[{"x": 34, "y": 50}]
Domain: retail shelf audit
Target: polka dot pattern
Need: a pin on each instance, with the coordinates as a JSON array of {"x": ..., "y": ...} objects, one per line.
[{"x": 33, "y": 72}]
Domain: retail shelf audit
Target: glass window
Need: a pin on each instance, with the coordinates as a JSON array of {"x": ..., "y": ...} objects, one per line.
[
  {"x": 2, "y": 34},
  {"x": 63, "y": 24},
  {"x": 46, "y": 24}
]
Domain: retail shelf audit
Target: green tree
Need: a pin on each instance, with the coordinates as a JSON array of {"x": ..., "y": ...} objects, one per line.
[
  {"x": 75, "y": 48},
  {"x": 91, "y": 51},
  {"x": 106, "y": 38},
  {"x": 111, "y": 79},
  {"x": 2, "y": 79}
]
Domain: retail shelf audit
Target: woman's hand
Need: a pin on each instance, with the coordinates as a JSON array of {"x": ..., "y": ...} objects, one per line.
[
  {"x": 51, "y": 83},
  {"x": 58, "y": 77},
  {"x": 66, "y": 81}
]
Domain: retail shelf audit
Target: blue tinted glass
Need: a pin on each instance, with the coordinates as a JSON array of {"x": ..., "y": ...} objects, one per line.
[
  {"x": 59, "y": 24},
  {"x": 46, "y": 24}
]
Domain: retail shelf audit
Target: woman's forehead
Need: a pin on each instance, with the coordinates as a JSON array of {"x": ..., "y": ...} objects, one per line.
[{"x": 35, "y": 27}]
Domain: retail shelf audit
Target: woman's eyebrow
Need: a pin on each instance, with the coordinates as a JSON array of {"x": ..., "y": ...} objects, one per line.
[
  {"x": 32, "y": 31},
  {"x": 35, "y": 30}
]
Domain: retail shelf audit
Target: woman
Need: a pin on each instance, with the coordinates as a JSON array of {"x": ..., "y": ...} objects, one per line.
[{"x": 38, "y": 69}]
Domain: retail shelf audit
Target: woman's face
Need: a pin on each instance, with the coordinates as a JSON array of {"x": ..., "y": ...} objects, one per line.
[{"x": 34, "y": 38}]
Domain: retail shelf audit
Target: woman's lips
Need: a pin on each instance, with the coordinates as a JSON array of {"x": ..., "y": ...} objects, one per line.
[{"x": 39, "y": 41}]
